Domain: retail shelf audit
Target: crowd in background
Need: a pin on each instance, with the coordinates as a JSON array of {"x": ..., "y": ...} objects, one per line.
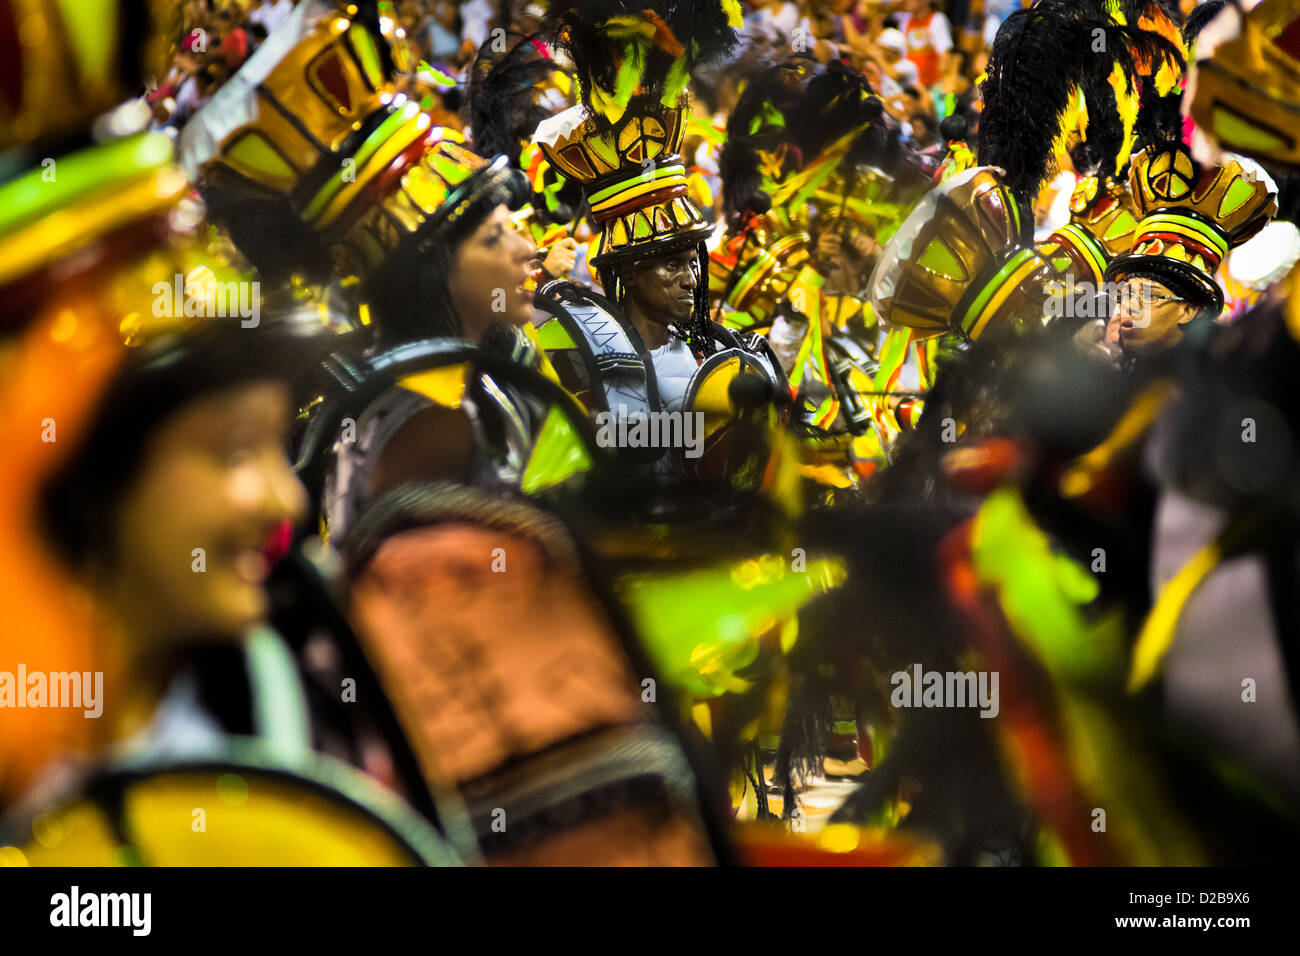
[
  {"x": 477, "y": 232},
  {"x": 924, "y": 58}
]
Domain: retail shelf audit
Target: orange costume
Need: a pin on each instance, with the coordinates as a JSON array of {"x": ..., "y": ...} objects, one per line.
[{"x": 921, "y": 49}]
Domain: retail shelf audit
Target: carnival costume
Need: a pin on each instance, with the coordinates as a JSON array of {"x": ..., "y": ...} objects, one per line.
[
  {"x": 116, "y": 369},
  {"x": 965, "y": 261},
  {"x": 507, "y": 668},
  {"x": 356, "y": 175},
  {"x": 1223, "y": 544},
  {"x": 1051, "y": 567},
  {"x": 1190, "y": 217},
  {"x": 623, "y": 145},
  {"x": 807, "y": 150}
]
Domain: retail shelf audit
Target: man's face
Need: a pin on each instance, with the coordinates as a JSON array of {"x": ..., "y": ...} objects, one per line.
[
  {"x": 663, "y": 288},
  {"x": 1146, "y": 317}
]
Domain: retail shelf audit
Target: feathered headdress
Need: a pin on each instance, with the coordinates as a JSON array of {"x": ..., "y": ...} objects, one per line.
[
  {"x": 1058, "y": 64},
  {"x": 623, "y": 51},
  {"x": 500, "y": 104},
  {"x": 757, "y": 134},
  {"x": 807, "y": 109},
  {"x": 623, "y": 142}
]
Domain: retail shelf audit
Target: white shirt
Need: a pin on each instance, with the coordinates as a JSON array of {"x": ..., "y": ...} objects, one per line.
[
  {"x": 675, "y": 366},
  {"x": 271, "y": 15},
  {"x": 474, "y": 17}
]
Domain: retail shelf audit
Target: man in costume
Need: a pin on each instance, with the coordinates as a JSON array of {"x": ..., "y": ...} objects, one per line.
[
  {"x": 1191, "y": 216},
  {"x": 965, "y": 261},
  {"x": 647, "y": 345},
  {"x": 1224, "y": 539},
  {"x": 807, "y": 151},
  {"x": 1165, "y": 729},
  {"x": 528, "y": 707}
]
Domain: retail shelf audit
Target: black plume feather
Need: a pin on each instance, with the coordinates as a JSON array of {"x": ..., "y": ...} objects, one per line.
[
  {"x": 1041, "y": 56},
  {"x": 775, "y": 89},
  {"x": 837, "y": 99},
  {"x": 1200, "y": 17},
  {"x": 796, "y": 103},
  {"x": 500, "y": 104}
]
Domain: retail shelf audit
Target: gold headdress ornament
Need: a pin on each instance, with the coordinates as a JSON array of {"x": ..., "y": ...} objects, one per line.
[
  {"x": 1191, "y": 215},
  {"x": 963, "y": 261},
  {"x": 623, "y": 143},
  {"x": 1244, "y": 94},
  {"x": 1101, "y": 226},
  {"x": 313, "y": 117},
  {"x": 65, "y": 63},
  {"x": 756, "y": 268},
  {"x": 1102, "y": 220},
  {"x": 63, "y": 70},
  {"x": 1245, "y": 89}
]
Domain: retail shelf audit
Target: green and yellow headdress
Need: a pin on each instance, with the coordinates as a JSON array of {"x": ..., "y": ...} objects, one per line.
[
  {"x": 65, "y": 67},
  {"x": 67, "y": 61},
  {"x": 963, "y": 261},
  {"x": 1191, "y": 215},
  {"x": 623, "y": 143},
  {"x": 314, "y": 118}
]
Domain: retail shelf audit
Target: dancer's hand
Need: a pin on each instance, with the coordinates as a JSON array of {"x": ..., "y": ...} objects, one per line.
[{"x": 561, "y": 258}]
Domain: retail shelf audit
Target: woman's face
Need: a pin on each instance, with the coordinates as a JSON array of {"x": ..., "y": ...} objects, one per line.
[
  {"x": 490, "y": 276},
  {"x": 193, "y": 527}
]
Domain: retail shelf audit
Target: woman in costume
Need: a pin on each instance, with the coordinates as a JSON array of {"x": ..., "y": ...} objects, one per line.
[
  {"x": 416, "y": 224},
  {"x": 509, "y": 669},
  {"x": 144, "y": 519}
]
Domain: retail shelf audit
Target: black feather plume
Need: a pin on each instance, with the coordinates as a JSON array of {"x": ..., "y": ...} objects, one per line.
[
  {"x": 501, "y": 104},
  {"x": 1040, "y": 58}
]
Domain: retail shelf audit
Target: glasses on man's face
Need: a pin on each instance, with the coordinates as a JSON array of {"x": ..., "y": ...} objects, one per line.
[{"x": 1140, "y": 299}]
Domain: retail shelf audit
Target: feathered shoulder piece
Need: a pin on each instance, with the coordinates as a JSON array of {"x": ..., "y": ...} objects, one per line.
[{"x": 626, "y": 50}]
